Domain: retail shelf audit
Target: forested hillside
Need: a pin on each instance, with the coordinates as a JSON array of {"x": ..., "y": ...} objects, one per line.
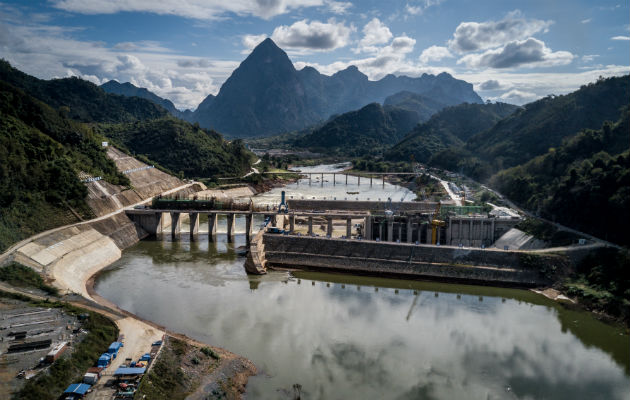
[
  {"x": 81, "y": 100},
  {"x": 182, "y": 147},
  {"x": 41, "y": 154},
  {"x": 362, "y": 132},
  {"x": 583, "y": 183},
  {"x": 535, "y": 128},
  {"x": 452, "y": 126}
]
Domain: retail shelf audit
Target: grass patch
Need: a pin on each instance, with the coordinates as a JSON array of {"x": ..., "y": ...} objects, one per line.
[
  {"x": 166, "y": 380},
  {"x": 67, "y": 370},
  {"x": 19, "y": 275},
  {"x": 210, "y": 353}
]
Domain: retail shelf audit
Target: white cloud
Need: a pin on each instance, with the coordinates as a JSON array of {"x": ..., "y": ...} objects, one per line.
[
  {"x": 473, "y": 36},
  {"x": 530, "y": 53},
  {"x": 434, "y": 53},
  {"x": 516, "y": 96},
  {"x": 314, "y": 35},
  {"x": 374, "y": 33},
  {"x": 195, "y": 9},
  {"x": 418, "y": 8},
  {"x": 589, "y": 57},
  {"x": 586, "y": 21},
  {"x": 338, "y": 7},
  {"x": 539, "y": 83},
  {"x": 620, "y": 38}
]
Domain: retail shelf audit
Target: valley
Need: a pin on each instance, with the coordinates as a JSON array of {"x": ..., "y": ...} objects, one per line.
[{"x": 310, "y": 233}]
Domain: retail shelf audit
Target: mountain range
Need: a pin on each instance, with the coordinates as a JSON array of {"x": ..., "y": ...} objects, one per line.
[{"x": 266, "y": 95}]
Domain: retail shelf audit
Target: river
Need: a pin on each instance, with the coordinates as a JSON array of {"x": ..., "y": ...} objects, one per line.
[{"x": 348, "y": 337}]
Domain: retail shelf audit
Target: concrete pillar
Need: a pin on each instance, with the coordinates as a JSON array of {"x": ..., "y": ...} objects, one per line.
[
  {"x": 291, "y": 223},
  {"x": 380, "y": 230},
  {"x": 359, "y": 180},
  {"x": 310, "y": 177},
  {"x": 349, "y": 228},
  {"x": 329, "y": 230},
  {"x": 371, "y": 180},
  {"x": 194, "y": 225},
  {"x": 230, "y": 227},
  {"x": 492, "y": 231},
  {"x": 461, "y": 233},
  {"x": 310, "y": 225},
  {"x": 428, "y": 231},
  {"x": 409, "y": 230},
  {"x": 470, "y": 233},
  {"x": 346, "y": 179},
  {"x": 158, "y": 223},
  {"x": 390, "y": 229},
  {"x": 322, "y": 183},
  {"x": 399, "y": 231},
  {"x": 176, "y": 223},
  {"x": 383, "y": 176},
  {"x": 334, "y": 179},
  {"x": 248, "y": 226},
  {"x": 212, "y": 226},
  {"x": 449, "y": 234}
]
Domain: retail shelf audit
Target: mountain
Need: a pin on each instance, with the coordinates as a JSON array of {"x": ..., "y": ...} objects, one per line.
[
  {"x": 266, "y": 95},
  {"x": 41, "y": 154},
  {"x": 362, "y": 132},
  {"x": 452, "y": 126},
  {"x": 81, "y": 100},
  {"x": 424, "y": 106},
  {"x": 129, "y": 90},
  {"x": 181, "y": 147},
  {"x": 583, "y": 183}
]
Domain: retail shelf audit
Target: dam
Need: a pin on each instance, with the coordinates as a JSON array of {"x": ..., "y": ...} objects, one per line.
[{"x": 341, "y": 335}]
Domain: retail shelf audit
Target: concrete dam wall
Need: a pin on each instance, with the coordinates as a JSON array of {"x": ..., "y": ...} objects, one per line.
[{"x": 422, "y": 261}]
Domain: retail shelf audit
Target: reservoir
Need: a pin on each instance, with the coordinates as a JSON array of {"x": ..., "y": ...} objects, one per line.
[{"x": 350, "y": 337}]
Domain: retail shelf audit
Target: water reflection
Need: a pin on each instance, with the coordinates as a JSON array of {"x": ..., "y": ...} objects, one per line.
[{"x": 345, "y": 337}]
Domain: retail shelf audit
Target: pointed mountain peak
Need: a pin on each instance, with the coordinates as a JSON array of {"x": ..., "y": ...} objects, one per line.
[{"x": 351, "y": 72}]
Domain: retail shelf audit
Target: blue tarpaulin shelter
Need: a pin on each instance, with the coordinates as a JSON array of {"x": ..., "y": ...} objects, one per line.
[
  {"x": 78, "y": 388},
  {"x": 114, "y": 347},
  {"x": 130, "y": 371}
]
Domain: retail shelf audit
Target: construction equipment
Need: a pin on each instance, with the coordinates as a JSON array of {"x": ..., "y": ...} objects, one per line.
[{"x": 436, "y": 223}]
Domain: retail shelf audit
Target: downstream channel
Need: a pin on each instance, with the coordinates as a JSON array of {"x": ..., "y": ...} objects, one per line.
[{"x": 348, "y": 337}]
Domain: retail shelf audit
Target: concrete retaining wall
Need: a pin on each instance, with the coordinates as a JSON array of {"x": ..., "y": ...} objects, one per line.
[{"x": 490, "y": 266}]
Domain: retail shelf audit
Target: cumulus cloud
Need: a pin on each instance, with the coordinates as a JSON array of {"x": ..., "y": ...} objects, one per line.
[
  {"x": 589, "y": 57},
  {"x": 195, "y": 9},
  {"x": 530, "y": 52},
  {"x": 518, "y": 97},
  {"x": 314, "y": 35},
  {"x": 303, "y": 36},
  {"x": 491, "y": 84},
  {"x": 620, "y": 38},
  {"x": 473, "y": 36},
  {"x": 434, "y": 53},
  {"x": 374, "y": 33}
]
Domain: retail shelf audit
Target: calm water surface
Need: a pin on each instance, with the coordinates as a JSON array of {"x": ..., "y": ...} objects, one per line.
[{"x": 345, "y": 337}]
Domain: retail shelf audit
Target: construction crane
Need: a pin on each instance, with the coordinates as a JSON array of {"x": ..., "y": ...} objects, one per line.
[{"x": 436, "y": 223}]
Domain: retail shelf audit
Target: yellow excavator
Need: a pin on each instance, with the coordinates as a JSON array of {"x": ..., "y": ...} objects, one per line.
[{"x": 436, "y": 223}]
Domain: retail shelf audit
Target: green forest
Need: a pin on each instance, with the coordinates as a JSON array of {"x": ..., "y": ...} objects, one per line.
[{"x": 184, "y": 149}]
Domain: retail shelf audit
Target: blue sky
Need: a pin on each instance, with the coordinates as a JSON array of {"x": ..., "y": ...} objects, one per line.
[{"x": 183, "y": 50}]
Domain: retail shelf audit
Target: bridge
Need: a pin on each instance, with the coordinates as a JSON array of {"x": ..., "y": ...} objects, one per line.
[{"x": 367, "y": 175}]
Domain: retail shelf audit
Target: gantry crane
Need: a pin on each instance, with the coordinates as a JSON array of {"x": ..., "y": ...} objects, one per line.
[{"x": 436, "y": 223}]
